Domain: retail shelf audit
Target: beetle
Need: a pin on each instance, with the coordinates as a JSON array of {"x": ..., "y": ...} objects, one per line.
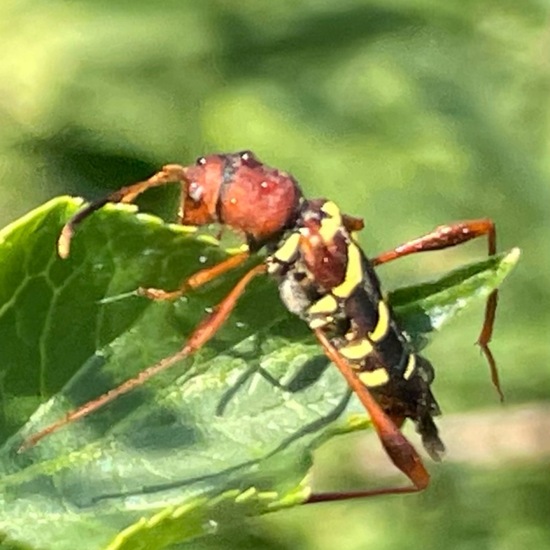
[{"x": 324, "y": 277}]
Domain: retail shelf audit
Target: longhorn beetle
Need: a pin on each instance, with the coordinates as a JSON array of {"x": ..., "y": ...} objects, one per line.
[{"x": 323, "y": 276}]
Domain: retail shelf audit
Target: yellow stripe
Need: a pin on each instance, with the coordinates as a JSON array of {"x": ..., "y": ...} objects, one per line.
[
  {"x": 320, "y": 322},
  {"x": 411, "y": 365},
  {"x": 374, "y": 378},
  {"x": 326, "y": 304},
  {"x": 354, "y": 273},
  {"x": 288, "y": 249},
  {"x": 357, "y": 350},
  {"x": 383, "y": 324},
  {"x": 331, "y": 225}
]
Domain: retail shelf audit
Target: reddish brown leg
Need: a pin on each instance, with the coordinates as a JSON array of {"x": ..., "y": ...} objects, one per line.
[
  {"x": 206, "y": 329},
  {"x": 446, "y": 236},
  {"x": 398, "y": 448},
  {"x": 197, "y": 279},
  {"x": 172, "y": 173}
]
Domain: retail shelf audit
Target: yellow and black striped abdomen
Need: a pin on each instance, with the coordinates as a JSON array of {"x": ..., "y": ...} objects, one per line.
[
  {"x": 372, "y": 342},
  {"x": 360, "y": 322},
  {"x": 325, "y": 278}
]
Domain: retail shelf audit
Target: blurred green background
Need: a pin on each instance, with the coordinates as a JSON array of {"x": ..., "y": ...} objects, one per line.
[{"x": 408, "y": 113}]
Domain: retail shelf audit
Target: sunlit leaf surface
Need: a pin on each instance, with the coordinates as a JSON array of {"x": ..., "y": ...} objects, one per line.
[{"x": 225, "y": 433}]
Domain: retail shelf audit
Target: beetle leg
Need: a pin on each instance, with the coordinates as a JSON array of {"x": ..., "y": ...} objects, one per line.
[
  {"x": 396, "y": 445},
  {"x": 197, "y": 279},
  {"x": 446, "y": 236},
  {"x": 206, "y": 329}
]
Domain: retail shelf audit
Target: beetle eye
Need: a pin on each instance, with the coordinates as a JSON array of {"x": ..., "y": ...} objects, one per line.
[
  {"x": 201, "y": 161},
  {"x": 249, "y": 159},
  {"x": 195, "y": 191}
]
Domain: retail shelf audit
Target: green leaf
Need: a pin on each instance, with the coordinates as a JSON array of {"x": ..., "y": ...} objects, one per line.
[
  {"x": 226, "y": 433},
  {"x": 426, "y": 308}
]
